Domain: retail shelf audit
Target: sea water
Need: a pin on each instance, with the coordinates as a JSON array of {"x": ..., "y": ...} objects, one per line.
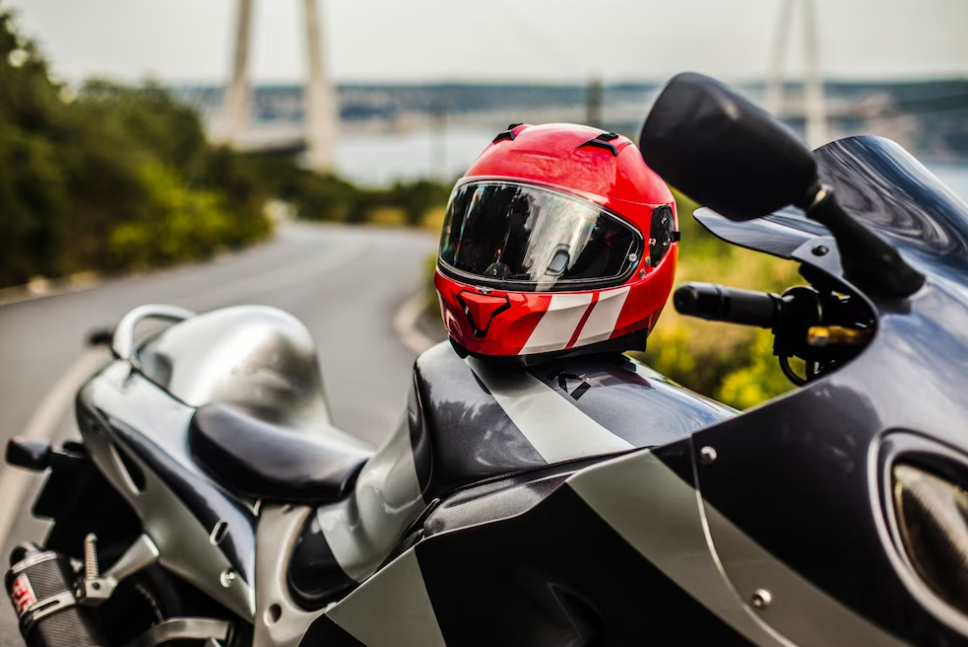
[{"x": 381, "y": 159}]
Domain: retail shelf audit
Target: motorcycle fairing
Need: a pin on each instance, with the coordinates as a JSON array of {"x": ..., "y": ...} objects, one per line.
[
  {"x": 536, "y": 559},
  {"x": 539, "y": 578},
  {"x": 130, "y": 424},
  {"x": 467, "y": 423},
  {"x": 567, "y": 552},
  {"x": 805, "y": 474},
  {"x": 800, "y": 475}
]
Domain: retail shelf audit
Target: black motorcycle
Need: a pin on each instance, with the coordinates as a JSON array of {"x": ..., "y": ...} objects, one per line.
[{"x": 581, "y": 502}]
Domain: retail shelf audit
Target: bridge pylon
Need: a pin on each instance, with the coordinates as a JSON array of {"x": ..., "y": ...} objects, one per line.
[
  {"x": 813, "y": 96},
  {"x": 321, "y": 109}
]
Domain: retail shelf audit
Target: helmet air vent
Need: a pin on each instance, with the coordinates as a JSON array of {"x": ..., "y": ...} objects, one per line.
[
  {"x": 603, "y": 141},
  {"x": 507, "y": 134}
]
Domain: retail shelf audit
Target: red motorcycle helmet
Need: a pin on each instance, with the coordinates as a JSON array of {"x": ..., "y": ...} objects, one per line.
[{"x": 559, "y": 240}]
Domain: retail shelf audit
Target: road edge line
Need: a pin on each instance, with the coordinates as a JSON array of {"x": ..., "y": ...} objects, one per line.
[
  {"x": 43, "y": 423},
  {"x": 405, "y": 324}
]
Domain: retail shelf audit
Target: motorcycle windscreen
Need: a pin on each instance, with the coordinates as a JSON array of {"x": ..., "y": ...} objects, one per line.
[
  {"x": 523, "y": 237},
  {"x": 881, "y": 184},
  {"x": 778, "y": 234}
]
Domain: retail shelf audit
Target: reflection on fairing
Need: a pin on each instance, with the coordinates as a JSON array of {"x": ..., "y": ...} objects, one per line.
[
  {"x": 177, "y": 503},
  {"x": 467, "y": 423}
]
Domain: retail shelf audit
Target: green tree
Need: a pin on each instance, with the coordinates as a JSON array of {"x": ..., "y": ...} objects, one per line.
[{"x": 110, "y": 178}]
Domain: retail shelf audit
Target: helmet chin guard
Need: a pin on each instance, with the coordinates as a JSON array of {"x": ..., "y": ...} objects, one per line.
[{"x": 559, "y": 240}]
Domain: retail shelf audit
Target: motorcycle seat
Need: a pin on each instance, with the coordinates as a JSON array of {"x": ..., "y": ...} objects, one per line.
[{"x": 261, "y": 460}]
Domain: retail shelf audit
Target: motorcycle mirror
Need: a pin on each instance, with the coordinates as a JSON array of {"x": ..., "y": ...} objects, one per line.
[{"x": 724, "y": 152}]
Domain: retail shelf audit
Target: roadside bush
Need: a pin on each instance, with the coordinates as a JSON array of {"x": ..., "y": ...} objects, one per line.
[
  {"x": 418, "y": 198},
  {"x": 109, "y": 178},
  {"x": 175, "y": 224},
  {"x": 318, "y": 197},
  {"x": 331, "y": 198}
]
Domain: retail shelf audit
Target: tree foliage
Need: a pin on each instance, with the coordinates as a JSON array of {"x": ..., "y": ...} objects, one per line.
[
  {"x": 109, "y": 177},
  {"x": 328, "y": 197}
]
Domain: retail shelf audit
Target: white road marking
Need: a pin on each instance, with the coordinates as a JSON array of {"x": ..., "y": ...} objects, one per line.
[
  {"x": 14, "y": 482},
  {"x": 405, "y": 324},
  {"x": 559, "y": 430}
]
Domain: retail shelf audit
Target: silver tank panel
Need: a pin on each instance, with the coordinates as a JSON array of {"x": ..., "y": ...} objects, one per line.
[{"x": 256, "y": 358}]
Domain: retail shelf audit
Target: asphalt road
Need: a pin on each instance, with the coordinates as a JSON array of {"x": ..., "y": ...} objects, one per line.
[{"x": 344, "y": 284}]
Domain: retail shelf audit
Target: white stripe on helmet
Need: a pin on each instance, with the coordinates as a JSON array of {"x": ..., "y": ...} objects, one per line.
[
  {"x": 601, "y": 322},
  {"x": 557, "y": 325}
]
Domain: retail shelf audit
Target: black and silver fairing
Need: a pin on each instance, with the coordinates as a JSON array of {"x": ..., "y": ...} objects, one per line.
[
  {"x": 468, "y": 422},
  {"x": 775, "y": 527},
  {"x": 138, "y": 417},
  {"x": 137, "y": 433},
  {"x": 473, "y": 421},
  {"x": 800, "y": 499}
]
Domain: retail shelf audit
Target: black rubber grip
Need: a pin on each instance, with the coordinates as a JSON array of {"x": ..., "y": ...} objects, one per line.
[{"x": 719, "y": 303}]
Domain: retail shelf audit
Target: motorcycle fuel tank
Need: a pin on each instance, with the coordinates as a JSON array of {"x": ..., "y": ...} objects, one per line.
[
  {"x": 468, "y": 422},
  {"x": 471, "y": 420}
]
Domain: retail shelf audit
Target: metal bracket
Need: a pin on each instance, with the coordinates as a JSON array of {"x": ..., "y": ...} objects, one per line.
[
  {"x": 184, "y": 629},
  {"x": 822, "y": 253},
  {"x": 95, "y": 590}
]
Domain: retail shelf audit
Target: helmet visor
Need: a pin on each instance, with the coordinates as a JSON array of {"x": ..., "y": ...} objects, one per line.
[{"x": 527, "y": 238}]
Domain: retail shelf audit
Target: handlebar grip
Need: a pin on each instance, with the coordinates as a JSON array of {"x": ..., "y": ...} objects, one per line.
[{"x": 719, "y": 303}]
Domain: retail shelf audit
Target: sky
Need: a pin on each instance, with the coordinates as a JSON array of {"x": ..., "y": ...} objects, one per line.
[{"x": 189, "y": 41}]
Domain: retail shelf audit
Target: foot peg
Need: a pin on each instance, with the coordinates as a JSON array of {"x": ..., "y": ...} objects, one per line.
[
  {"x": 93, "y": 589},
  {"x": 33, "y": 455}
]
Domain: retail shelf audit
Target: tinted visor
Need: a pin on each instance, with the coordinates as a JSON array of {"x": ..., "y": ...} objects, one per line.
[{"x": 527, "y": 238}]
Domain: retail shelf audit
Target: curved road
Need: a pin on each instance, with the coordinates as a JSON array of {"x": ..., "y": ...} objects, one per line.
[{"x": 345, "y": 284}]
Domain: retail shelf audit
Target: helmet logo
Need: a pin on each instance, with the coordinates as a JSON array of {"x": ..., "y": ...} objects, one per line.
[{"x": 484, "y": 290}]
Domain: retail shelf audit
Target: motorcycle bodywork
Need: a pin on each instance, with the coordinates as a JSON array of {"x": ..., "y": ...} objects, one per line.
[
  {"x": 518, "y": 432},
  {"x": 586, "y": 501}
]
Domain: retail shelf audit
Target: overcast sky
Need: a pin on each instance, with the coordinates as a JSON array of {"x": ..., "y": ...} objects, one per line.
[{"x": 495, "y": 40}]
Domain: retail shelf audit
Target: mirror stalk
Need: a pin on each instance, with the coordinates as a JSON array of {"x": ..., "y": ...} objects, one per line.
[{"x": 870, "y": 262}]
